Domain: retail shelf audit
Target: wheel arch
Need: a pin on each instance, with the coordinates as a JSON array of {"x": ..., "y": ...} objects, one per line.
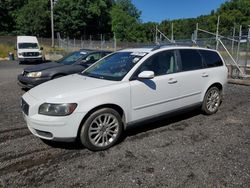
[
  {"x": 109, "y": 105},
  {"x": 215, "y": 84},
  {"x": 58, "y": 74}
]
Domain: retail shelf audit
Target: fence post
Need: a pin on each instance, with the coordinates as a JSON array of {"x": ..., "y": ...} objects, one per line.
[
  {"x": 172, "y": 32},
  {"x": 247, "y": 49},
  {"x": 232, "y": 50},
  {"x": 114, "y": 42},
  {"x": 217, "y": 33},
  {"x": 156, "y": 35},
  {"x": 238, "y": 49},
  {"x": 101, "y": 41}
]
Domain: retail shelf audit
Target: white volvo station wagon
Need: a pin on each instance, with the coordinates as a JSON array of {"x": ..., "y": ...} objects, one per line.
[{"x": 121, "y": 89}]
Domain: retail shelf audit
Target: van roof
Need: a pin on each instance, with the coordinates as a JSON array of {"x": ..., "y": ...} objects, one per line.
[{"x": 27, "y": 39}]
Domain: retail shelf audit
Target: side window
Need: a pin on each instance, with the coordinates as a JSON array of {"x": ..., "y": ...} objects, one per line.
[
  {"x": 161, "y": 63},
  {"x": 93, "y": 57},
  {"x": 190, "y": 59},
  {"x": 211, "y": 58},
  {"x": 105, "y": 53}
]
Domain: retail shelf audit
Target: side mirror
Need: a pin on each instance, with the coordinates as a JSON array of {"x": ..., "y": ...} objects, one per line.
[
  {"x": 146, "y": 75},
  {"x": 41, "y": 48}
]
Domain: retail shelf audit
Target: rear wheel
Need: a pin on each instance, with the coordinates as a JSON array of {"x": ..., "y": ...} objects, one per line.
[
  {"x": 101, "y": 130},
  {"x": 211, "y": 101}
]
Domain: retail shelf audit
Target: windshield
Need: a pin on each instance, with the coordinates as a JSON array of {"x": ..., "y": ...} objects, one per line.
[
  {"x": 71, "y": 58},
  {"x": 28, "y": 46},
  {"x": 115, "y": 66}
]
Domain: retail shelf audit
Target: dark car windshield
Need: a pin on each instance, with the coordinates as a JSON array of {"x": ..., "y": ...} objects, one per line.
[
  {"x": 72, "y": 58},
  {"x": 28, "y": 46},
  {"x": 115, "y": 66}
]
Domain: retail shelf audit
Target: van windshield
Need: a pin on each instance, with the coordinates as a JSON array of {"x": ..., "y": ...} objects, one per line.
[
  {"x": 115, "y": 66},
  {"x": 28, "y": 46}
]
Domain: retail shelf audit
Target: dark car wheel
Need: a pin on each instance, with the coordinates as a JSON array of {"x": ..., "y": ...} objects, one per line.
[
  {"x": 101, "y": 130},
  {"x": 58, "y": 76},
  {"x": 211, "y": 101}
]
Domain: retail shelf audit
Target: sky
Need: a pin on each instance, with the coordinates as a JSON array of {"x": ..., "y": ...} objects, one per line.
[{"x": 159, "y": 10}]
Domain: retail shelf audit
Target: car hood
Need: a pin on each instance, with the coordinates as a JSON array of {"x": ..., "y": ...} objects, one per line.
[
  {"x": 42, "y": 66},
  {"x": 67, "y": 86}
]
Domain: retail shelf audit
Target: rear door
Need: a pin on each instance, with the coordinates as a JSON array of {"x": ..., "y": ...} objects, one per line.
[{"x": 192, "y": 76}]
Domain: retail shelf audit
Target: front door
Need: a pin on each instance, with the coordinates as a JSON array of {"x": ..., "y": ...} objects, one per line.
[{"x": 150, "y": 97}]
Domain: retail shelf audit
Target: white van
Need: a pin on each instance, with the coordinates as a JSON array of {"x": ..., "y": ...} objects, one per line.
[
  {"x": 123, "y": 88},
  {"x": 28, "y": 49}
]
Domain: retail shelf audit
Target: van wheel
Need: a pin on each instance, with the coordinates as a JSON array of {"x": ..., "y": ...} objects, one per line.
[
  {"x": 211, "y": 101},
  {"x": 101, "y": 130}
]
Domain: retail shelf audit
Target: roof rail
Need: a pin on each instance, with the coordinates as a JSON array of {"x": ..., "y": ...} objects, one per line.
[{"x": 189, "y": 43}]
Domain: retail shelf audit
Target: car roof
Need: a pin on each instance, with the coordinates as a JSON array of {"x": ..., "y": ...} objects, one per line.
[{"x": 162, "y": 47}]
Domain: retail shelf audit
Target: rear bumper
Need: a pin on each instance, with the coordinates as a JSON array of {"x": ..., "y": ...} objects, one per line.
[{"x": 27, "y": 82}]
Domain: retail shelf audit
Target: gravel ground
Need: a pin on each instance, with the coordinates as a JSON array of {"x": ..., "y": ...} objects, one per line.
[{"x": 190, "y": 150}]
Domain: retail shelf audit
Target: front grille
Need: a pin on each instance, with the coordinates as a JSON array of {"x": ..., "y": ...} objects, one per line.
[
  {"x": 30, "y": 54},
  {"x": 25, "y": 107}
]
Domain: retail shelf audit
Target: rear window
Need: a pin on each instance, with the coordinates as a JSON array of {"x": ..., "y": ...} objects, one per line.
[
  {"x": 211, "y": 58},
  {"x": 191, "y": 59}
]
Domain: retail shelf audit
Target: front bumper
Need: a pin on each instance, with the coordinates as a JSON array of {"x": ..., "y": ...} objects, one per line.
[
  {"x": 30, "y": 59},
  {"x": 58, "y": 128},
  {"x": 27, "y": 82}
]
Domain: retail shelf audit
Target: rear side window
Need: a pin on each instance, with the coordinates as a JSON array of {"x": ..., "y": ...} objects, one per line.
[
  {"x": 191, "y": 59},
  {"x": 211, "y": 58}
]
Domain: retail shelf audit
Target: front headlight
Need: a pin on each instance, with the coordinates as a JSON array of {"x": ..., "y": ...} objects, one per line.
[
  {"x": 57, "y": 109},
  {"x": 34, "y": 74},
  {"x": 20, "y": 54}
]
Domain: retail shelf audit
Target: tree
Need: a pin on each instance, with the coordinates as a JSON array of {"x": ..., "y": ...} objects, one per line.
[
  {"x": 8, "y": 10},
  {"x": 75, "y": 18},
  {"x": 125, "y": 21},
  {"x": 34, "y": 18}
]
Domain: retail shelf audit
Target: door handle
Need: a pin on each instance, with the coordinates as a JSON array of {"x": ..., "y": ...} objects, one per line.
[
  {"x": 172, "y": 81},
  {"x": 204, "y": 74}
]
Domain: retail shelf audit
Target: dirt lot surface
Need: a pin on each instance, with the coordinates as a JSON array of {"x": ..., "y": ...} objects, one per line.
[{"x": 190, "y": 150}]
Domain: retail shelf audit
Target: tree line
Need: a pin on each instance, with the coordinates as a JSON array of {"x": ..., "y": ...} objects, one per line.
[{"x": 79, "y": 18}]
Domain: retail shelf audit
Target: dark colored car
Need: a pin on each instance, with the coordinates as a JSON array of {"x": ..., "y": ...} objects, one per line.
[{"x": 75, "y": 62}]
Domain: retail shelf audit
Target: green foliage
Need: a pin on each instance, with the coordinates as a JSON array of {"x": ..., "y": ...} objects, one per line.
[
  {"x": 8, "y": 9},
  {"x": 231, "y": 13},
  {"x": 125, "y": 22},
  {"x": 34, "y": 18},
  {"x": 75, "y": 18}
]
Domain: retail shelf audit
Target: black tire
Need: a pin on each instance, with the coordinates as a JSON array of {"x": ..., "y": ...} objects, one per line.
[
  {"x": 211, "y": 101},
  {"x": 102, "y": 129}
]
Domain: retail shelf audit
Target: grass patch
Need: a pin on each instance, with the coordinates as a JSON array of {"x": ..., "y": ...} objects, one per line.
[{"x": 5, "y": 49}]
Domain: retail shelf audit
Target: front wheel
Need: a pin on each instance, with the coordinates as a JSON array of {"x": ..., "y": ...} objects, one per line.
[
  {"x": 211, "y": 101},
  {"x": 101, "y": 130}
]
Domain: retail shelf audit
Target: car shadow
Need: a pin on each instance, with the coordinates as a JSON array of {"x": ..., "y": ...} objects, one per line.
[
  {"x": 34, "y": 63},
  {"x": 162, "y": 121},
  {"x": 137, "y": 128},
  {"x": 75, "y": 145}
]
